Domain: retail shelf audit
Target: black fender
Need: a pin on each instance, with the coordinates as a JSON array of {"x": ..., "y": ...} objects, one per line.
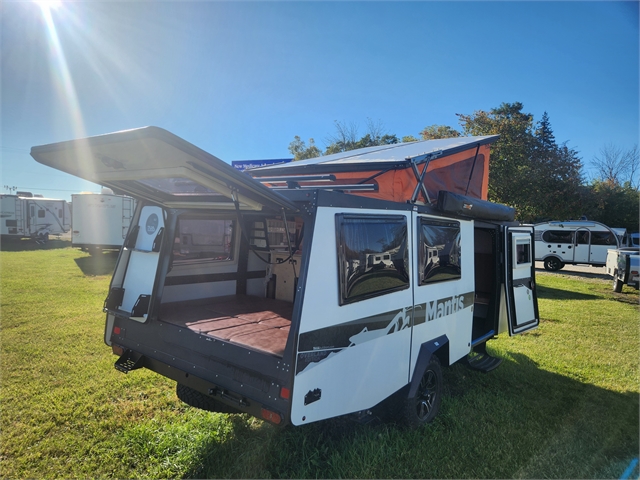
[{"x": 424, "y": 356}]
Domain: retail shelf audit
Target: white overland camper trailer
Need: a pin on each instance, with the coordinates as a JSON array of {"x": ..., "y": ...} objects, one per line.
[
  {"x": 573, "y": 242},
  {"x": 309, "y": 291},
  {"x": 27, "y": 216},
  {"x": 100, "y": 221}
]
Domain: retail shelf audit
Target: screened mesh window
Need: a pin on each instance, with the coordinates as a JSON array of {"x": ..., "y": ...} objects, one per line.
[
  {"x": 557, "y": 236},
  {"x": 177, "y": 186},
  {"x": 603, "y": 238},
  {"x": 203, "y": 239},
  {"x": 372, "y": 256}
]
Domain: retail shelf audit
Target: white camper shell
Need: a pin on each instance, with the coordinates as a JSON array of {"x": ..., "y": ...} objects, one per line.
[
  {"x": 100, "y": 221},
  {"x": 303, "y": 302},
  {"x": 573, "y": 242},
  {"x": 27, "y": 216}
]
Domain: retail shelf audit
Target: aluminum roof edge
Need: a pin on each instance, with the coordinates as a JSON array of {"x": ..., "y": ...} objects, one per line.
[{"x": 301, "y": 169}]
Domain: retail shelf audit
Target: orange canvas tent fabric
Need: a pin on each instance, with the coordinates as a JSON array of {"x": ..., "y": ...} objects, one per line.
[{"x": 459, "y": 165}]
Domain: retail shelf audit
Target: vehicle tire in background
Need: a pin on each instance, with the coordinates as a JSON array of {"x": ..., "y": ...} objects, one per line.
[
  {"x": 553, "y": 264},
  {"x": 617, "y": 283}
]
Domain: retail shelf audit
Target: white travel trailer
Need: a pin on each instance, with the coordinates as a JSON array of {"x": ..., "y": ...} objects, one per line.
[
  {"x": 27, "y": 216},
  {"x": 100, "y": 221},
  {"x": 275, "y": 310},
  {"x": 573, "y": 242}
]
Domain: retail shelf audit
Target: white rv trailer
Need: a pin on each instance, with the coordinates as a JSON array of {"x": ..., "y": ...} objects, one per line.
[
  {"x": 100, "y": 221},
  {"x": 265, "y": 295},
  {"x": 27, "y": 216},
  {"x": 573, "y": 242}
]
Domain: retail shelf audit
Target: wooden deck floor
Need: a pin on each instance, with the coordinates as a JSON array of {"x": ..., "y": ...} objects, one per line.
[{"x": 260, "y": 323}]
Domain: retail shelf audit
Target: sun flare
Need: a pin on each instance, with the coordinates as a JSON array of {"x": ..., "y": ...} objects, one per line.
[{"x": 47, "y": 5}]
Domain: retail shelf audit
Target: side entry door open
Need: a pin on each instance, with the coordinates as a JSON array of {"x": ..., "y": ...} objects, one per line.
[{"x": 521, "y": 298}]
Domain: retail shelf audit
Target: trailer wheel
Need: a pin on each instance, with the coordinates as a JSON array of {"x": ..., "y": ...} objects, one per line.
[
  {"x": 617, "y": 284},
  {"x": 424, "y": 406},
  {"x": 199, "y": 400},
  {"x": 42, "y": 238},
  {"x": 553, "y": 264}
]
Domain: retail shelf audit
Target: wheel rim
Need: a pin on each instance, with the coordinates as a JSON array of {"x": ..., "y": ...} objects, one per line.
[
  {"x": 426, "y": 396},
  {"x": 553, "y": 263}
]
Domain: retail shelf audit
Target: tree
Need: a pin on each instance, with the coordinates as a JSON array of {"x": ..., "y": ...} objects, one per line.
[
  {"x": 434, "y": 132},
  {"x": 616, "y": 166},
  {"x": 557, "y": 175},
  {"x": 510, "y": 166},
  {"x": 613, "y": 205},
  {"x": 346, "y": 137},
  {"x": 300, "y": 151},
  {"x": 529, "y": 170}
]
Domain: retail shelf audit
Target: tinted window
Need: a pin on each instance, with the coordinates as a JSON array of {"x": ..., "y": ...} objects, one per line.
[
  {"x": 603, "y": 238},
  {"x": 439, "y": 251},
  {"x": 523, "y": 253},
  {"x": 557, "y": 236},
  {"x": 40, "y": 213},
  {"x": 582, "y": 237},
  {"x": 372, "y": 255},
  {"x": 203, "y": 238}
]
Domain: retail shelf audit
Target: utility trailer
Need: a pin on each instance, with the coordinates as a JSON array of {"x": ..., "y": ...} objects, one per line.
[
  {"x": 100, "y": 221},
  {"x": 623, "y": 264},
  {"x": 332, "y": 286},
  {"x": 28, "y": 216}
]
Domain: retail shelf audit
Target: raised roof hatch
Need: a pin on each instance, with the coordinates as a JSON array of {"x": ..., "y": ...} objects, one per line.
[{"x": 394, "y": 172}]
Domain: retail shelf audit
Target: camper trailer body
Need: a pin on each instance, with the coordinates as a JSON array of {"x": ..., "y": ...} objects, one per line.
[
  {"x": 100, "y": 220},
  {"x": 573, "y": 242},
  {"x": 303, "y": 304},
  {"x": 33, "y": 217}
]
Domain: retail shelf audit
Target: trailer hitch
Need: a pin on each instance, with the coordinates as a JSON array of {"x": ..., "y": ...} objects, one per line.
[{"x": 222, "y": 393}]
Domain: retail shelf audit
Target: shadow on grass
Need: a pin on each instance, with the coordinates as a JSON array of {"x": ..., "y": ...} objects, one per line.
[
  {"x": 102, "y": 263},
  {"x": 518, "y": 421},
  {"x": 560, "y": 294},
  {"x": 28, "y": 245}
]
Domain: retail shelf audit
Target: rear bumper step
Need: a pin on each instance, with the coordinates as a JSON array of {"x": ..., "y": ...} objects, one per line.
[{"x": 128, "y": 361}]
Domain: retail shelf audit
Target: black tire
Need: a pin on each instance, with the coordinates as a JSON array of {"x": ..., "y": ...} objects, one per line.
[
  {"x": 424, "y": 406},
  {"x": 42, "y": 239},
  {"x": 553, "y": 264},
  {"x": 617, "y": 284},
  {"x": 199, "y": 400}
]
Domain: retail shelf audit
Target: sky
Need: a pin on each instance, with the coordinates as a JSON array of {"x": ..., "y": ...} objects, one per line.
[{"x": 241, "y": 79}]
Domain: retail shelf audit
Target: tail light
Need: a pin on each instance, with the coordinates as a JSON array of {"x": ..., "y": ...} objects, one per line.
[{"x": 272, "y": 417}]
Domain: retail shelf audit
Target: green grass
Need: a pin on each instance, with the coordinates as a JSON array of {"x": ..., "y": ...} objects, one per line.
[{"x": 564, "y": 404}]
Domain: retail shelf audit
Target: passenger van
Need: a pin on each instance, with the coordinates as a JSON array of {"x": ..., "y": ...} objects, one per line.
[
  {"x": 573, "y": 242},
  {"x": 321, "y": 288}
]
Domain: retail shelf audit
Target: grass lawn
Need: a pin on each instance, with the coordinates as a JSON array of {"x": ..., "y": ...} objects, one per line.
[{"x": 564, "y": 403}]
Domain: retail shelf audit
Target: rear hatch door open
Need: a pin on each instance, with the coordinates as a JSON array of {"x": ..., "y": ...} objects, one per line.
[{"x": 153, "y": 164}]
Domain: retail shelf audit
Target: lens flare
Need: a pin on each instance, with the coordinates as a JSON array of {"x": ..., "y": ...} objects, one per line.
[
  {"x": 61, "y": 73},
  {"x": 48, "y": 4}
]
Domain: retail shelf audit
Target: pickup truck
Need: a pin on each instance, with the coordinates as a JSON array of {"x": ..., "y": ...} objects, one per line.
[{"x": 624, "y": 265}]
